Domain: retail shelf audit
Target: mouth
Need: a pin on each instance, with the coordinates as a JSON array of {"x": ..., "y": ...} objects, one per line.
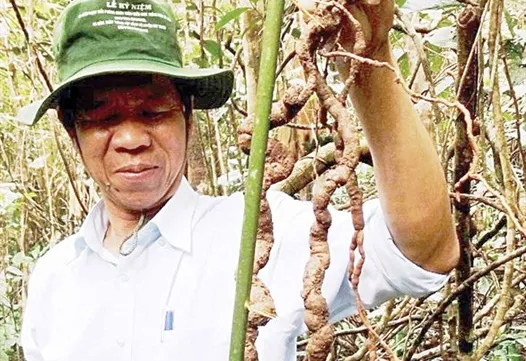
[
  {"x": 136, "y": 169},
  {"x": 136, "y": 173}
]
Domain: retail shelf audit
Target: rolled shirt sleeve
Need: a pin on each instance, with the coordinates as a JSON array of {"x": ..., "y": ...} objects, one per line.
[{"x": 403, "y": 275}]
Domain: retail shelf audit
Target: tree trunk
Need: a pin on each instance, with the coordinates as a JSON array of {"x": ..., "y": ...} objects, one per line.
[
  {"x": 197, "y": 169},
  {"x": 467, "y": 26},
  {"x": 251, "y": 49}
]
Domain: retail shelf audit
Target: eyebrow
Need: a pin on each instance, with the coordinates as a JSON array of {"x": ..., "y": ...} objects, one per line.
[{"x": 88, "y": 102}]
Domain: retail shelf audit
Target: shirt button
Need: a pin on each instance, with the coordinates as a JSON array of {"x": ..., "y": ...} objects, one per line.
[
  {"x": 121, "y": 343},
  {"x": 125, "y": 277},
  {"x": 162, "y": 243}
]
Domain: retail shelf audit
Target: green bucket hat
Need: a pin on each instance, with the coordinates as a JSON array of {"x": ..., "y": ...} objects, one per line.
[{"x": 98, "y": 37}]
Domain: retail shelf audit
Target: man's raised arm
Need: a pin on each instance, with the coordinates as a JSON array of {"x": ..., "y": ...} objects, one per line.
[{"x": 411, "y": 184}]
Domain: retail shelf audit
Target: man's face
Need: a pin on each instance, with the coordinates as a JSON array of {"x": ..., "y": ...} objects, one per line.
[{"x": 132, "y": 139}]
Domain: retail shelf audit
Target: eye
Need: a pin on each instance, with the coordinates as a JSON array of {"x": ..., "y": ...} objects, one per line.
[
  {"x": 109, "y": 119},
  {"x": 90, "y": 122},
  {"x": 152, "y": 114}
]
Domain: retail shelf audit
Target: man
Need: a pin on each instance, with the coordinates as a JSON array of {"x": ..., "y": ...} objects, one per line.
[{"x": 151, "y": 272}]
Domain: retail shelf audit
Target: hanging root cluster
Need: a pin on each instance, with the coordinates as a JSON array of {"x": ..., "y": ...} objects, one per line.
[
  {"x": 279, "y": 162},
  {"x": 317, "y": 34},
  {"x": 321, "y": 32}
]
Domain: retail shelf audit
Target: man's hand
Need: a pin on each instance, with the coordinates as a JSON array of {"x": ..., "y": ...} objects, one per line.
[
  {"x": 365, "y": 30},
  {"x": 374, "y": 17}
]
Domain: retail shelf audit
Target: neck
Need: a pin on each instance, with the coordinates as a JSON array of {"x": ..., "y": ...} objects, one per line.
[
  {"x": 123, "y": 221},
  {"x": 122, "y": 225}
]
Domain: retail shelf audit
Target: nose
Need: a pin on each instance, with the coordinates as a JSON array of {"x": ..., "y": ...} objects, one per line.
[{"x": 131, "y": 136}]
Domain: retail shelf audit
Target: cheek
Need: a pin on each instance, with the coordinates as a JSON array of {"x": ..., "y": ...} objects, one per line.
[
  {"x": 177, "y": 151},
  {"x": 175, "y": 140},
  {"x": 92, "y": 141},
  {"x": 91, "y": 148}
]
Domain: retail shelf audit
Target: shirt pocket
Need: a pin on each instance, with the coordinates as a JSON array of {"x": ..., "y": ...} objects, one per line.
[{"x": 203, "y": 343}]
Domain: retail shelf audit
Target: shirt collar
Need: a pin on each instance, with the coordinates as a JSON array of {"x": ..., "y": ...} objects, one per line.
[
  {"x": 94, "y": 227},
  {"x": 174, "y": 220}
]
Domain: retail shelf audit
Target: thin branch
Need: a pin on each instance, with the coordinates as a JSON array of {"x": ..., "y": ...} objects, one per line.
[
  {"x": 68, "y": 172},
  {"x": 50, "y": 88},
  {"x": 491, "y": 233},
  {"x": 29, "y": 44},
  {"x": 381, "y": 64},
  {"x": 305, "y": 126},
  {"x": 426, "y": 67},
  {"x": 419, "y": 28},
  {"x": 238, "y": 108},
  {"x": 444, "y": 303},
  {"x": 479, "y": 199},
  {"x": 517, "y": 117},
  {"x": 285, "y": 61}
]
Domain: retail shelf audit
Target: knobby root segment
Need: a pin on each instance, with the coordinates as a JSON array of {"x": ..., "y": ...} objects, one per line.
[
  {"x": 278, "y": 166},
  {"x": 316, "y": 310},
  {"x": 261, "y": 310},
  {"x": 324, "y": 26},
  {"x": 279, "y": 163},
  {"x": 283, "y": 112}
]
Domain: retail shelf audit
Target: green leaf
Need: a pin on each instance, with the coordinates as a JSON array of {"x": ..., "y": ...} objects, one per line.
[
  {"x": 228, "y": 17},
  {"x": 191, "y": 6},
  {"x": 15, "y": 271},
  {"x": 511, "y": 22},
  {"x": 201, "y": 61},
  {"x": 212, "y": 47},
  {"x": 403, "y": 64},
  {"x": 296, "y": 33}
]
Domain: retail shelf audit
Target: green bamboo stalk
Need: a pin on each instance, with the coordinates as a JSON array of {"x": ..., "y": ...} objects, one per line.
[{"x": 258, "y": 147}]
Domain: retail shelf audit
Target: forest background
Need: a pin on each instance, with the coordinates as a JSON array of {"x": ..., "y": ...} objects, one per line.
[{"x": 480, "y": 314}]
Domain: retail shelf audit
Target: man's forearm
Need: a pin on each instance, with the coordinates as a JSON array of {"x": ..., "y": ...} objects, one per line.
[{"x": 412, "y": 187}]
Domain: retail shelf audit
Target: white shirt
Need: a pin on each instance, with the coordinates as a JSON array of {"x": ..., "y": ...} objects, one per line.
[{"x": 86, "y": 304}]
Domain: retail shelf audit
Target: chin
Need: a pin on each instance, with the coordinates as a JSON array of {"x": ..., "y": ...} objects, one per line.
[
  {"x": 138, "y": 198},
  {"x": 136, "y": 202}
]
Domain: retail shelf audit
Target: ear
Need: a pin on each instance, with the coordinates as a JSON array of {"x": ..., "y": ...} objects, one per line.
[
  {"x": 75, "y": 140},
  {"x": 188, "y": 111},
  {"x": 72, "y": 132}
]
